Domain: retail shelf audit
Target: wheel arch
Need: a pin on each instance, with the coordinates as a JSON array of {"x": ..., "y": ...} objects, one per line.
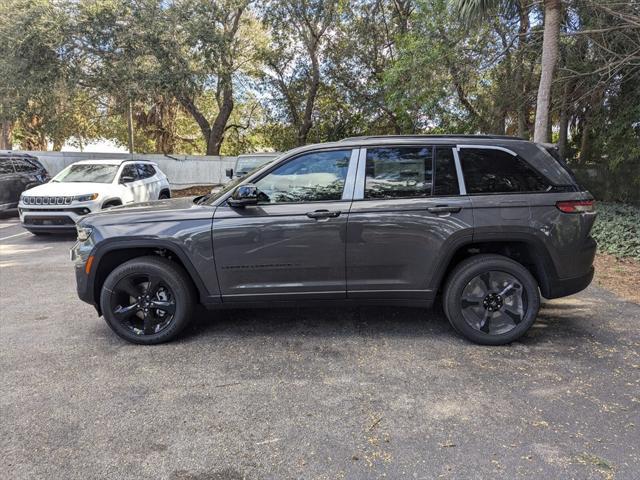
[
  {"x": 114, "y": 201},
  {"x": 524, "y": 249},
  {"x": 114, "y": 253}
]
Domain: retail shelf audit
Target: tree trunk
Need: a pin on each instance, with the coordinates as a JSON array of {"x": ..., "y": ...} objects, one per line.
[
  {"x": 6, "y": 138},
  {"x": 307, "y": 120},
  {"x": 214, "y": 142},
  {"x": 563, "y": 123},
  {"x": 130, "y": 125},
  {"x": 552, "y": 16},
  {"x": 521, "y": 85}
]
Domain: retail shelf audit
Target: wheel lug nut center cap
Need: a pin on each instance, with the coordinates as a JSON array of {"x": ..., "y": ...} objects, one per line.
[{"x": 493, "y": 302}]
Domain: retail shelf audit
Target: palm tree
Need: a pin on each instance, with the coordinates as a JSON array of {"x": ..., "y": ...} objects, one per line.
[{"x": 550, "y": 44}]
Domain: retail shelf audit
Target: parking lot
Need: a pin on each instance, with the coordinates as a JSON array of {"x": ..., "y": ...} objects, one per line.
[{"x": 308, "y": 393}]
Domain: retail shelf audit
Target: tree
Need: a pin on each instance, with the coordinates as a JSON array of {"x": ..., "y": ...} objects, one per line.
[
  {"x": 298, "y": 31},
  {"x": 470, "y": 9},
  {"x": 221, "y": 48},
  {"x": 364, "y": 49},
  {"x": 40, "y": 102}
]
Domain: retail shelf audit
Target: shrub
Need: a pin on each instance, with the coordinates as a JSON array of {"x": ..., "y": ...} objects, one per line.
[{"x": 617, "y": 229}]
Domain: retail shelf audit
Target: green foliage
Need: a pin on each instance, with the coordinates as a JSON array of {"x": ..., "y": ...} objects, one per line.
[
  {"x": 236, "y": 75},
  {"x": 617, "y": 229}
]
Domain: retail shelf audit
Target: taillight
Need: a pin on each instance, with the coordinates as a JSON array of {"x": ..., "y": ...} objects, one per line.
[{"x": 576, "y": 206}]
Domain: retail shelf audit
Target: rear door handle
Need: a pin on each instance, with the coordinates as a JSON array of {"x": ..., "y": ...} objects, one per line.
[
  {"x": 318, "y": 214},
  {"x": 444, "y": 209}
]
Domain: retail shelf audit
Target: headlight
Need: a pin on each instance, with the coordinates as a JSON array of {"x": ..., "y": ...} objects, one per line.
[
  {"x": 83, "y": 233},
  {"x": 86, "y": 198}
]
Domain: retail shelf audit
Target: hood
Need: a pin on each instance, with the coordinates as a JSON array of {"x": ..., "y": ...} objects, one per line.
[
  {"x": 64, "y": 189},
  {"x": 148, "y": 212}
]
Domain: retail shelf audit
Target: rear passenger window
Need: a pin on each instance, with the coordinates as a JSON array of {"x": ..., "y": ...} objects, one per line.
[
  {"x": 398, "y": 172},
  {"x": 494, "y": 171},
  {"x": 446, "y": 178}
]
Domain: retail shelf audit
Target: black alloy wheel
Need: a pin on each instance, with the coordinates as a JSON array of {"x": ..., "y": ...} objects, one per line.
[
  {"x": 143, "y": 303},
  {"x": 148, "y": 300},
  {"x": 491, "y": 299},
  {"x": 494, "y": 302}
]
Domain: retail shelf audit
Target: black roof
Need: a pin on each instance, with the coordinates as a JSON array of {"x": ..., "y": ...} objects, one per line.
[{"x": 488, "y": 137}]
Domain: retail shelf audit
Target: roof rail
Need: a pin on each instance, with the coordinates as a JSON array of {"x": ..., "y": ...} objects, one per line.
[{"x": 490, "y": 137}]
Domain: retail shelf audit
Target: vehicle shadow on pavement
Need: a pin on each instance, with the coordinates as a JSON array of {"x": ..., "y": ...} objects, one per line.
[
  {"x": 6, "y": 214},
  {"x": 52, "y": 238},
  {"x": 556, "y": 321},
  {"x": 320, "y": 322}
]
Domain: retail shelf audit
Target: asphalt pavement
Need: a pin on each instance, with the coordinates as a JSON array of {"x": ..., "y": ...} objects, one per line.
[{"x": 328, "y": 393}]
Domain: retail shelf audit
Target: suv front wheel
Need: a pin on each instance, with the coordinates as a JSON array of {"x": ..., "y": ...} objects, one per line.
[
  {"x": 491, "y": 299},
  {"x": 147, "y": 300}
]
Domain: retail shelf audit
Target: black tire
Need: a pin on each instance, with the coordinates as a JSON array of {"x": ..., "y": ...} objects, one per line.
[
  {"x": 513, "y": 312},
  {"x": 164, "y": 196},
  {"x": 173, "y": 282}
]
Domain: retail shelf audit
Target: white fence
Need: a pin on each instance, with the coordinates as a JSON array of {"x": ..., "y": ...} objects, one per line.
[{"x": 182, "y": 170}]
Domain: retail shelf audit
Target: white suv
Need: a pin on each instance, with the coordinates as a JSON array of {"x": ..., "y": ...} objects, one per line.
[{"x": 88, "y": 186}]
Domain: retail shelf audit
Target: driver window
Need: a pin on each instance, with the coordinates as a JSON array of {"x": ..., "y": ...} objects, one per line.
[
  {"x": 129, "y": 171},
  {"x": 313, "y": 177}
]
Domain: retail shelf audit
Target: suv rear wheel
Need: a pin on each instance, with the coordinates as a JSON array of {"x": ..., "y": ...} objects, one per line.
[
  {"x": 147, "y": 300},
  {"x": 491, "y": 299}
]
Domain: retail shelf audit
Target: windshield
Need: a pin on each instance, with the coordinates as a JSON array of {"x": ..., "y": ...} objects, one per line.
[
  {"x": 245, "y": 165},
  {"x": 93, "y": 173}
]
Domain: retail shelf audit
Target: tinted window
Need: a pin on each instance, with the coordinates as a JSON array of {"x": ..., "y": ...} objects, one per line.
[
  {"x": 130, "y": 170},
  {"x": 446, "y": 178},
  {"x": 5, "y": 166},
  {"x": 22, "y": 165},
  {"x": 309, "y": 178},
  {"x": 145, "y": 170},
  {"x": 495, "y": 171},
  {"x": 398, "y": 172}
]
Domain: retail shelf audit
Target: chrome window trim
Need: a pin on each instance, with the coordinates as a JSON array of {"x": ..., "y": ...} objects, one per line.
[
  {"x": 456, "y": 160},
  {"x": 350, "y": 180},
  {"x": 488, "y": 147}
]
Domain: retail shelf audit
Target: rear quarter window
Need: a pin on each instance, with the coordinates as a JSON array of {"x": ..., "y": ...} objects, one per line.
[{"x": 495, "y": 171}]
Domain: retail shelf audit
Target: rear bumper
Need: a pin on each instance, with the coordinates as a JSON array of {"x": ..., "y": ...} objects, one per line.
[
  {"x": 569, "y": 286},
  {"x": 581, "y": 259}
]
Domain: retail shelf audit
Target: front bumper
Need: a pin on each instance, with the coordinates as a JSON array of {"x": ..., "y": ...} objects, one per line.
[
  {"x": 52, "y": 219},
  {"x": 80, "y": 253}
]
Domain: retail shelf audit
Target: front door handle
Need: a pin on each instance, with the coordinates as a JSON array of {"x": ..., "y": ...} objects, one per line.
[
  {"x": 444, "y": 209},
  {"x": 318, "y": 214}
]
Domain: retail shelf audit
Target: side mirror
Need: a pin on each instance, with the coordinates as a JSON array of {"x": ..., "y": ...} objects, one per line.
[
  {"x": 244, "y": 195},
  {"x": 127, "y": 179},
  {"x": 229, "y": 172}
]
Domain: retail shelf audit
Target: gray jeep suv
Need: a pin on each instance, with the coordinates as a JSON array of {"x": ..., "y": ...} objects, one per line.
[{"x": 488, "y": 222}]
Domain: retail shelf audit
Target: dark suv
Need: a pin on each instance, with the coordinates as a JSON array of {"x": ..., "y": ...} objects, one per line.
[
  {"x": 489, "y": 222},
  {"x": 18, "y": 172}
]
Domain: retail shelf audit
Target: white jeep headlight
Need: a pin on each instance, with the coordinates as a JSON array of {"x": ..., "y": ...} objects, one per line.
[
  {"x": 83, "y": 233},
  {"x": 86, "y": 198}
]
